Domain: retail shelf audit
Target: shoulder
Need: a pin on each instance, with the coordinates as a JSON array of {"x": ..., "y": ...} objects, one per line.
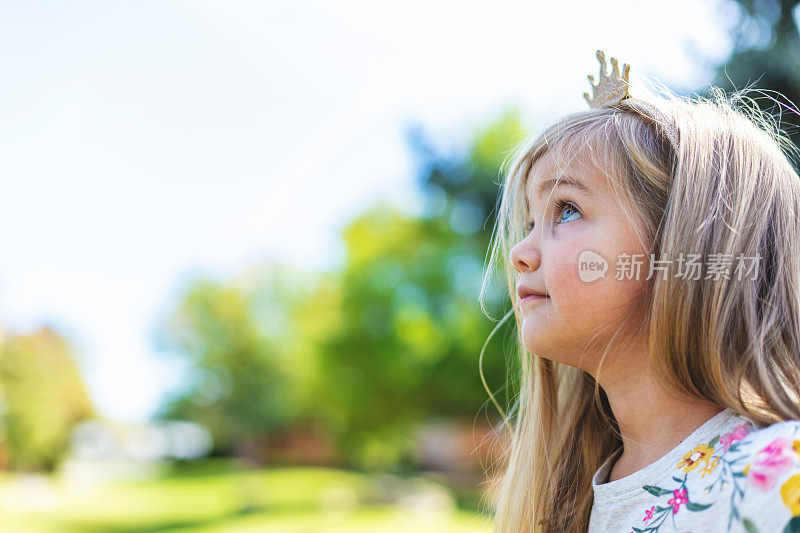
[{"x": 767, "y": 460}]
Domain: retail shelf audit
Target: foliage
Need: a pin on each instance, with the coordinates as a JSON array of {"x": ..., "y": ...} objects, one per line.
[
  {"x": 411, "y": 332},
  {"x": 240, "y": 340},
  {"x": 43, "y": 398},
  {"x": 765, "y": 43},
  {"x": 370, "y": 351},
  {"x": 412, "y": 329}
]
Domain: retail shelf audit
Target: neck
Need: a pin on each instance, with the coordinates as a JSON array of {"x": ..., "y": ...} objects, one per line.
[{"x": 652, "y": 421}]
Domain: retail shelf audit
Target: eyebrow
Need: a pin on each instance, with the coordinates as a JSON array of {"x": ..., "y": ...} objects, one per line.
[{"x": 570, "y": 182}]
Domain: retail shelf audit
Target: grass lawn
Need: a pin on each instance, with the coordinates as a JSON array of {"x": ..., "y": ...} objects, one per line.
[{"x": 218, "y": 496}]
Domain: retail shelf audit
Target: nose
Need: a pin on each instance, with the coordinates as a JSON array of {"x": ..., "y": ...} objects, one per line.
[{"x": 526, "y": 256}]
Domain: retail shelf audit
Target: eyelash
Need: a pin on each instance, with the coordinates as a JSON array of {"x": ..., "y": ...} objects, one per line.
[{"x": 560, "y": 206}]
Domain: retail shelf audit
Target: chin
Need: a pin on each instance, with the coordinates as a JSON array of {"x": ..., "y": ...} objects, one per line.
[
  {"x": 540, "y": 344},
  {"x": 556, "y": 345}
]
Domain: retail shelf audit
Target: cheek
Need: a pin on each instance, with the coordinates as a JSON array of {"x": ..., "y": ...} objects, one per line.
[
  {"x": 601, "y": 300},
  {"x": 584, "y": 309},
  {"x": 561, "y": 276}
]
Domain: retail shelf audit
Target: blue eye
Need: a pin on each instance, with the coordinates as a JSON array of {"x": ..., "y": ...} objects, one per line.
[
  {"x": 561, "y": 207},
  {"x": 566, "y": 207}
]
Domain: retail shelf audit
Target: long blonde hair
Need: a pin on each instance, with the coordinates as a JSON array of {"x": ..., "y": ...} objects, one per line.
[{"x": 728, "y": 187}]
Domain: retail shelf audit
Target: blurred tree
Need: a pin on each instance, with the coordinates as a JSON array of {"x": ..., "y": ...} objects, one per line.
[
  {"x": 370, "y": 351},
  {"x": 463, "y": 188},
  {"x": 412, "y": 327},
  {"x": 244, "y": 351},
  {"x": 43, "y": 398},
  {"x": 765, "y": 54}
]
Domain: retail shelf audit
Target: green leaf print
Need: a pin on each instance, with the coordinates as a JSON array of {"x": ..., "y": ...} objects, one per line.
[
  {"x": 697, "y": 506},
  {"x": 656, "y": 491},
  {"x": 749, "y": 526},
  {"x": 793, "y": 526}
]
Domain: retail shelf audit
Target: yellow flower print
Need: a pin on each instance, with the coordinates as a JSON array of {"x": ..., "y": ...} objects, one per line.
[
  {"x": 796, "y": 447},
  {"x": 701, "y": 452},
  {"x": 709, "y": 467},
  {"x": 746, "y": 469},
  {"x": 790, "y": 492}
]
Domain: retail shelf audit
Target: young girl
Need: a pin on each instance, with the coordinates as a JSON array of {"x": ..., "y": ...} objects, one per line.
[{"x": 653, "y": 252}]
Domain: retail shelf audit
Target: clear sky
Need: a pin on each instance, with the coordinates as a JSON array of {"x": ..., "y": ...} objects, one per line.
[{"x": 143, "y": 141}]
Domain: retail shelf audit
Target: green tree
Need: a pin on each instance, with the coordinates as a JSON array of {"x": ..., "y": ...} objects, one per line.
[
  {"x": 387, "y": 341},
  {"x": 43, "y": 398},
  {"x": 765, "y": 55},
  {"x": 241, "y": 344},
  {"x": 412, "y": 329}
]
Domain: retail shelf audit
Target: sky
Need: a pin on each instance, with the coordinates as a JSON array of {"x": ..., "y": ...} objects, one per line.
[{"x": 146, "y": 142}]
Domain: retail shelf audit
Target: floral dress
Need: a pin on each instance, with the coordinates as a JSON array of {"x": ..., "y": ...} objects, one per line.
[{"x": 728, "y": 475}]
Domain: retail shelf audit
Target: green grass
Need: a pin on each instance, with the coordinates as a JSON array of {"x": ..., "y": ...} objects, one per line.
[{"x": 219, "y": 496}]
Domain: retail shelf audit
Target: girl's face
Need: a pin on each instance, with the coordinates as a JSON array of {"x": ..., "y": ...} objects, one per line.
[{"x": 579, "y": 221}]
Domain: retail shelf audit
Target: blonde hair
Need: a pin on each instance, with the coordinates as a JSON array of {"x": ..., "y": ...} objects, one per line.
[{"x": 728, "y": 187}]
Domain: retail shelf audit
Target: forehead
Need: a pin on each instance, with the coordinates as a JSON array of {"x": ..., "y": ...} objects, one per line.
[{"x": 554, "y": 168}]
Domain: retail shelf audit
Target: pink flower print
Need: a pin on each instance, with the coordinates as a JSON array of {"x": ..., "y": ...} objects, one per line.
[
  {"x": 648, "y": 514},
  {"x": 739, "y": 433},
  {"x": 772, "y": 461},
  {"x": 678, "y": 497}
]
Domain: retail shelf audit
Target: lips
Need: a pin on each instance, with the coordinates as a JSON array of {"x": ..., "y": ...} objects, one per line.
[
  {"x": 524, "y": 292},
  {"x": 533, "y": 297}
]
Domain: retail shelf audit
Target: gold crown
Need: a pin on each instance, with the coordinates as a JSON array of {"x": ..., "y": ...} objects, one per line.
[{"x": 612, "y": 90}]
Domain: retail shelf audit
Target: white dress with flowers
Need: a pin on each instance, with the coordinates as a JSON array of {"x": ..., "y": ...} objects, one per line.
[{"x": 728, "y": 475}]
